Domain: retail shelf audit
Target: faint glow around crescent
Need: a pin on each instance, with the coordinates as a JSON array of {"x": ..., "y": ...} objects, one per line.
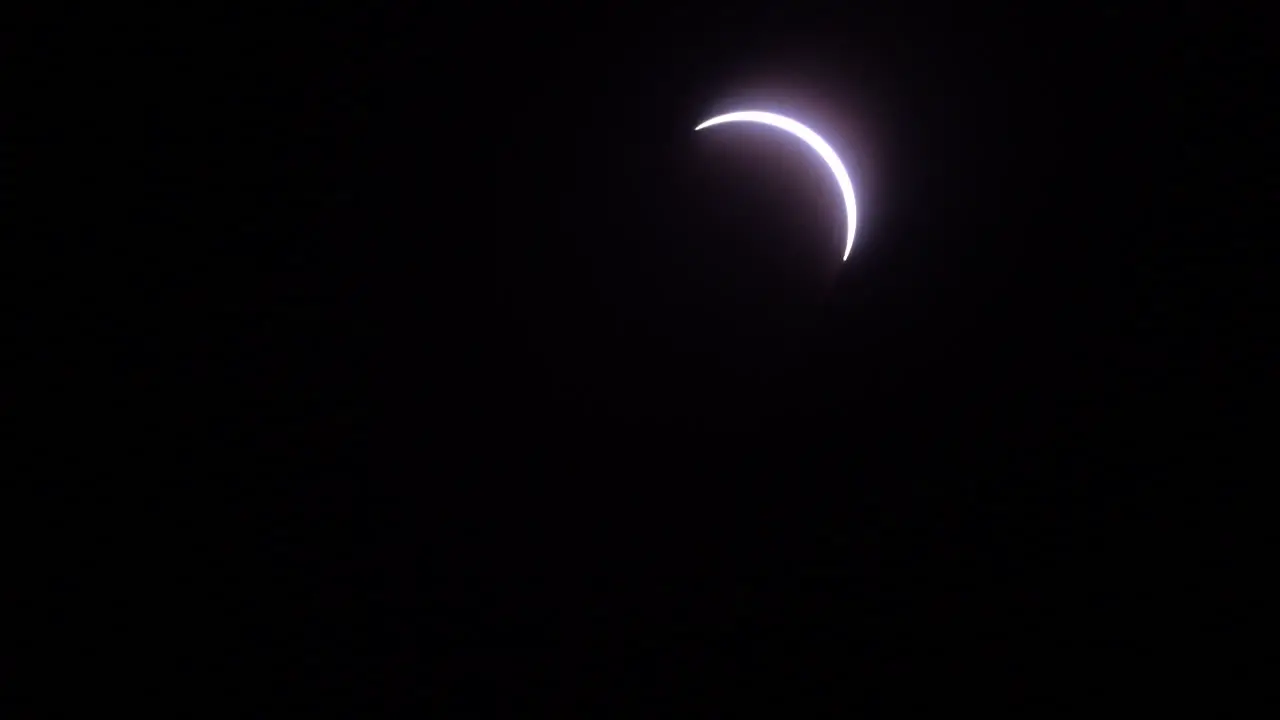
[{"x": 815, "y": 142}]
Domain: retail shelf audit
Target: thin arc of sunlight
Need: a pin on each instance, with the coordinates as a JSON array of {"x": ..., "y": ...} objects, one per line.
[{"x": 815, "y": 142}]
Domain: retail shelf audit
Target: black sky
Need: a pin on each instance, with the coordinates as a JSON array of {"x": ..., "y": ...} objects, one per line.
[{"x": 505, "y": 369}]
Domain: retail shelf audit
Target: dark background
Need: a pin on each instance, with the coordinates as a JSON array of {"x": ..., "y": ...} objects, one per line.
[{"x": 475, "y": 374}]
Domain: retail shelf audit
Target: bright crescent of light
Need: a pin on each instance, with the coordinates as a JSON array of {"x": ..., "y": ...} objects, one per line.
[{"x": 815, "y": 142}]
